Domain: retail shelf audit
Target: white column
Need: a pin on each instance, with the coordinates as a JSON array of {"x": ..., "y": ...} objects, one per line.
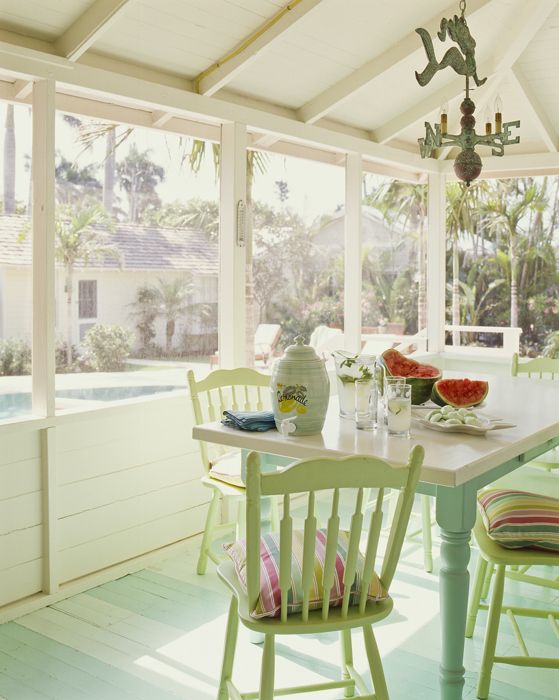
[
  {"x": 436, "y": 267},
  {"x": 43, "y": 247},
  {"x": 232, "y": 250},
  {"x": 352, "y": 252}
]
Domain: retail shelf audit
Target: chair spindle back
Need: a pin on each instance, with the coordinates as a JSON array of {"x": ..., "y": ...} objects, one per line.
[
  {"x": 537, "y": 368},
  {"x": 226, "y": 389},
  {"x": 329, "y": 476}
]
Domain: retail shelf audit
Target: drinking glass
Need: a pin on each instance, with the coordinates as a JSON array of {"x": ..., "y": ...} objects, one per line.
[
  {"x": 350, "y": 368},
  {"x": 389, "y": 381},
  {"x": 366, "y": 403},
  {"x": 398, "y": 409}
]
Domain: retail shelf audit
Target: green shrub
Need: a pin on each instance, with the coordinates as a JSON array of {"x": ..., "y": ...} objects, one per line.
[
  {"x": 551, "y": 347},
  {"x": 107, "y": 347},
  {"x": 15, "y": 357}
]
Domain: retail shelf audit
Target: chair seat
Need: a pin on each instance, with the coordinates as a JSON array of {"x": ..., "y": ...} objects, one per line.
[
  {"x": 227, "y": 469},
  {"x": 494, "y": 553},
  {"x": 374, "y": 611}
]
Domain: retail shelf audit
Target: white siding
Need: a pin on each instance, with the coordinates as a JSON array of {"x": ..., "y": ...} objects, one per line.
[{"x": 127, "y": 483}]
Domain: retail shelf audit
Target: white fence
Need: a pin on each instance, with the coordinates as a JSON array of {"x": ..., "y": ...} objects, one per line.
[{"x": 510, "y": 340}]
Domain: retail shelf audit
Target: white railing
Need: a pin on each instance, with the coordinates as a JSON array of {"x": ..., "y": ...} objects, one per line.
[{"x": 510, "y": 339}]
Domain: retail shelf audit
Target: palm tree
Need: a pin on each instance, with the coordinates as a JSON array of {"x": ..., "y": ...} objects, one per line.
[
  {"x": 406, "y": 203},
  {"x": 461, "y": 214},
  {"x": 9, "y": 162},
  {"x": 172, "y": 297},
  {"x": 78, "y": 239},
  {"x": 139, "y": 176},
  {"x": 508, "y": 214}
]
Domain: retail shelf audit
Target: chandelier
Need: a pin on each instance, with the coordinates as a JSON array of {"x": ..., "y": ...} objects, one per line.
[{"x": 461, "y": 58}]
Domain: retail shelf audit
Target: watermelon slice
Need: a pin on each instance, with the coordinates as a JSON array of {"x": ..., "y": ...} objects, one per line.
[
  {"x": 420, "y": 377},
  {"x": 460, "y": 393}
]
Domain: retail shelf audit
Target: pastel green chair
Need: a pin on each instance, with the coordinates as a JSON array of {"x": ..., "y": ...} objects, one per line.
[
  {"x": 494, "y": 555},
  {"x": 530, "y": 476},
  {"x": 539, "y": 368},
  {"x": 236, "y": 389},
  {"x": 306, "y": 478}
]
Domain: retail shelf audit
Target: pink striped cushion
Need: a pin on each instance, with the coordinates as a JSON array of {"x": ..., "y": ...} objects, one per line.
[
  {"x": 517, "y": 519},
  {"x": 269, "y": 600}
]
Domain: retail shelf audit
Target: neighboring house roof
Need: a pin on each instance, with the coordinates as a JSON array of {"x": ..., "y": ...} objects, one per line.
[{"x": 140, "y": 247}]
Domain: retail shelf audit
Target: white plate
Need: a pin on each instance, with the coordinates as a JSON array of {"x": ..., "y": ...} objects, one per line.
[{"x": 486, "y": 426}]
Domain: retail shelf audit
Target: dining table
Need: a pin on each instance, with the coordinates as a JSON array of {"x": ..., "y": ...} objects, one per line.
[{"x": 456, "y": 466}]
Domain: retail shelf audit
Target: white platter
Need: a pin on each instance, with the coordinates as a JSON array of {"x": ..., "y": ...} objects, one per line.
[{"x": 487, "y": 425}]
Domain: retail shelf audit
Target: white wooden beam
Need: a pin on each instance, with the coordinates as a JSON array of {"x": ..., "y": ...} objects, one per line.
[
  {"x": 129, "y": 90},
  {"x": 544, "y": 124},
  {"x": 514, "y": 40},
  {"x": 436, "y": 263},
  {"x": 42, "y": 173},
  {"x": 337, "y": 94},
  {"x": 352, "y": 252},
  {"x": 232, "y": 254},
  {"x": 159, "y": 118},
  {"x": 513, "y": 165},
  {"x": 222, "y": 72},
  {"x": 89, "y": 26}
]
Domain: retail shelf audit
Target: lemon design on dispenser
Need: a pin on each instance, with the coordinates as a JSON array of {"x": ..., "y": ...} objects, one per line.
[{"x": 292, "y": 398}]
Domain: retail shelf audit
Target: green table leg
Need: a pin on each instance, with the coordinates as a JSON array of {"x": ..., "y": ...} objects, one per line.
[{"x": 455, "y": 516}]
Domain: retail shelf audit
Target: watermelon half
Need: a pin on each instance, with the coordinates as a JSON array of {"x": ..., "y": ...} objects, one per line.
[
  {"x": 460, "y": 393},
  {"x": 420, "y": 377}
]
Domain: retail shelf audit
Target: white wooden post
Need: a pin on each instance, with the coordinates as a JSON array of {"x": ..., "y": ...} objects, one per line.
[
  {"x": 48, "y": 474},
  {"x": 352, "y": 252},
  {"x": 43, "y": 247},
  {"x": 232, "y": 247},
  {"x": 436, "y": 267}
]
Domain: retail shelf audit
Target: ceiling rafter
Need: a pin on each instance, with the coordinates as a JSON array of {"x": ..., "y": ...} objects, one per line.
[
  {"x": 223, "y": 71},
  {"x": 527, "y": 23},
  {"x": 336, "y": 94},
  {"x": 89, "y": 26},
  {"x": 544, "y": 124},
  {"x": 78, "y": 38}
]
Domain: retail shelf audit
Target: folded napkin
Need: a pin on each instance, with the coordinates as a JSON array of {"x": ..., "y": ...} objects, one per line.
[{"x": 249, "y": 420}]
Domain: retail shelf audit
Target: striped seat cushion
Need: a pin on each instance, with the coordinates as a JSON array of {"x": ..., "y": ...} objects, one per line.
[
  {"x": 517, "y": 519},
  {"x": 269, "y": 600}
]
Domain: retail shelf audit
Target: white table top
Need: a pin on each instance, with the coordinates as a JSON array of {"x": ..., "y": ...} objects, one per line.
[{"x": 451, "y": 459}]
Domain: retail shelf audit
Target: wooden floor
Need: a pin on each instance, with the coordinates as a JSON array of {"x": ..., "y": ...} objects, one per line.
[{"x": 158, "y": 635}]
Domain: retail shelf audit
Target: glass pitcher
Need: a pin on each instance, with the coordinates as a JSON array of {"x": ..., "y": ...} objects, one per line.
[{"x": 349, "y": 368}]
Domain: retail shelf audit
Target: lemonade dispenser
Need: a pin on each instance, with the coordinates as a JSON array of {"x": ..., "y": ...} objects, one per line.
[{"x": 300, "y": 388}]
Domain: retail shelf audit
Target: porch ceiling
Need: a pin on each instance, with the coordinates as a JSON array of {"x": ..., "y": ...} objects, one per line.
[{"x": 345, "y": 66}]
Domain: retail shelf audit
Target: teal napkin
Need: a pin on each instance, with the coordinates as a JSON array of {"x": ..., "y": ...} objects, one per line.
[{"x": 249, "y": 420}]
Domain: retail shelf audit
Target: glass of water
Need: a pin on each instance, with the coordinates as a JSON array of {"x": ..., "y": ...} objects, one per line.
[
  {"x": 366, "y": 403},
  {"x": 398, "y": 409}
]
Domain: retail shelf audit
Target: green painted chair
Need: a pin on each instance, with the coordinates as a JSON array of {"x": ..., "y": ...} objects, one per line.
[
  {"x": 315, "y": 614},
  {"x": 494, "y": 555},
  {"x": 236, "y": 389},
  {"x": 539, "y": 368},
  {"x": 530, "y": 477}
]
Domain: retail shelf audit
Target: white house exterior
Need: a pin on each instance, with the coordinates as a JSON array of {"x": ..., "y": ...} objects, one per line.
[{"x": 104, "y": 291}]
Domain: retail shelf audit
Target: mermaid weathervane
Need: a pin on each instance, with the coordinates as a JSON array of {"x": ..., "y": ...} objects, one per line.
[{"x": 461, "y": 59}]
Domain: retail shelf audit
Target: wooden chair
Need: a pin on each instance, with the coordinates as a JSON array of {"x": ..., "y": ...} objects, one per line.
[
  {"x": 494, "y": 555},
  {"x": 526, "y": 477},
  {"x": 236, "y": 389},
  {"x": 266, "y": 339},
  {"x": 539, "y": 368},
  {"x": 328, "y": 476}
]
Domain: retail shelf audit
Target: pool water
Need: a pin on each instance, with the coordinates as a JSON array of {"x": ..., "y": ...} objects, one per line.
[{"x": 12, "y": 405}]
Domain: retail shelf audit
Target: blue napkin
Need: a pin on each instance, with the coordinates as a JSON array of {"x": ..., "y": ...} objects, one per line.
[{"x": 249, "y": 420}]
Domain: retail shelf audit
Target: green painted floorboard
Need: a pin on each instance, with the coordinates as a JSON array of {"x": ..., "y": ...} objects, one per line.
[{"x": 157, "y": 634}]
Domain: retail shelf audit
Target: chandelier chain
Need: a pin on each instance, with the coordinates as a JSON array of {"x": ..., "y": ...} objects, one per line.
[{"x": 462, "y": 7}]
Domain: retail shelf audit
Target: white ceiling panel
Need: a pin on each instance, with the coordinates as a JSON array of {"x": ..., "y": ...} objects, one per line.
[{"x": 41, "y": 19}]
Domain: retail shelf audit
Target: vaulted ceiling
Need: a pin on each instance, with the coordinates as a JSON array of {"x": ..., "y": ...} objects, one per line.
[{"x": 345, "y": 65}]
